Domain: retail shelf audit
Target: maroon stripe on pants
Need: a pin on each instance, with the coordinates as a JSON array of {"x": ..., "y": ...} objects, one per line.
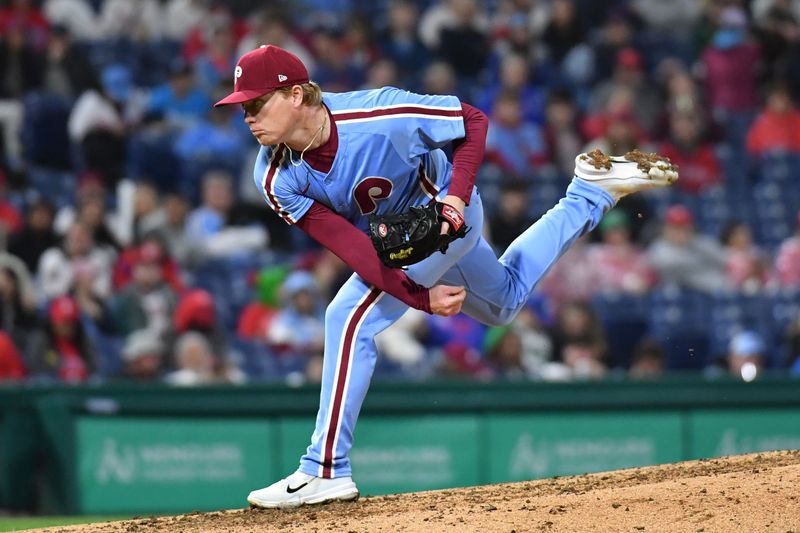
[{"x": 338, "y": 395}]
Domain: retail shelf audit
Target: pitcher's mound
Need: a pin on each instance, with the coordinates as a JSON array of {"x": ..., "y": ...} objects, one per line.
[{"x": 757, "y": 492}]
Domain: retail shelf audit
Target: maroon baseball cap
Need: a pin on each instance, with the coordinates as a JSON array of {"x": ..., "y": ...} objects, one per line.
[
  {"x": 679, "y": 215},
  {"x": 629, "y": 58},
  {"x": 64, "y": 310},
  {"x": 263, "y": 70}
]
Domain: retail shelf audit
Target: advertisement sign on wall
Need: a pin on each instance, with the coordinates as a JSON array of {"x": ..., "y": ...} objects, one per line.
[{"x": 160, "y": 464}]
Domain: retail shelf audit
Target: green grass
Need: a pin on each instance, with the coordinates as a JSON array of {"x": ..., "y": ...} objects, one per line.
[{"x": 31, "y": 522}]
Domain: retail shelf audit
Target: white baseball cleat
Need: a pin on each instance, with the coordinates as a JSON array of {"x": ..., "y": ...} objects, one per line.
[
  {"x": 303, "y": 489},
  {"x": 619, "y": 176}
]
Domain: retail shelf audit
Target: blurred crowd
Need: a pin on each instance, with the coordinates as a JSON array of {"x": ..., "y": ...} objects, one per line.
[{"x": 133, "y": 244}]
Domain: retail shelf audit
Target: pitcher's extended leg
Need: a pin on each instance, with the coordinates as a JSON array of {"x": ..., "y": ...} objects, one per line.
[
  {"x": 353, "y": 319},
  {"x": 497, "y": 289}
]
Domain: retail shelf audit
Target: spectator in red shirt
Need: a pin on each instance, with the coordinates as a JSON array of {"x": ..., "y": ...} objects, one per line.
[
  {"x": 777, "y": 127},
  {"x": 24, "y": 15},
  {"x": 561, "y": 132},
  {"x": 10, "y": 218},
  {"x": 619, "y": 266},
  {"x": 620, "y": 133},
  {"x": 685, "y": 258},
  {"x": 629, "y": 76},
  {"x": 65, "y": 352},
  {"x": 256, "y": 317},
  {"x": 197, "y": 39},
  {"x": 152, "y": 249},
  {"x": 18, "y": 317},
  {"x": 787, "y": 261},
  {"x": 11, "y": 365},
  {"x": 148, "y": 300},
  {"x": 197, "y": 312},
  {"x": 683, "y": 95},
  {"x": 571, "y": 278},
  {"x": 730, "y": 62},
  {"x": 700, "y": 167},
  {"x": 745, "y": 264}
]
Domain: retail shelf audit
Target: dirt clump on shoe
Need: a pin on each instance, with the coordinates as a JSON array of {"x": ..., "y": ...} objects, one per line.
[
  {"x": 647, "y": 160},
  {"x": 598, "y": 159}
]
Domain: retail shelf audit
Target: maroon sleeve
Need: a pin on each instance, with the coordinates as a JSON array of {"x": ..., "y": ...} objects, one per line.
[
  {"x": 354, "y": 247},
  {"x": 468, "y": 152}
]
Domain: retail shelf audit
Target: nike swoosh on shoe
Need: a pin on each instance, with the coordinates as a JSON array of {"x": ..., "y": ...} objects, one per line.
[{"x": 291, "y": 490}]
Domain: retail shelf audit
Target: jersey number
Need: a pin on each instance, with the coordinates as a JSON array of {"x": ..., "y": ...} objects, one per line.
[{"x": 369, "y": 191}]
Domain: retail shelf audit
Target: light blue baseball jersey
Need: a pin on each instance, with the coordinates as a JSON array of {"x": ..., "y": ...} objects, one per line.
[{"x": 388, "y": 160}]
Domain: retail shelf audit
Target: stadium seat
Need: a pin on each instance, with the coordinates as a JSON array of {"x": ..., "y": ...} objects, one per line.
[
  {"x": 105, "y": 52},
  {"x": 775, "y": 207},
  {"x": 18, "y": 199},
  {"x": 678, "y": 320},
  {"x": 255, "y": 359},
  {"x": 386, "y": 369},
  {"x": 777, "y": 167},
  {"x": 731, "y": 313},
  {"x": 734, "y": 167},
  {"x": 543, "y": 197},
  {"x": 625, "y": 319},
  {"x": 151, "y": 158},
  {"x": 107, "y": 349},
  {"x": 45, "y": 140},
  {"x": 736, "y": 124},
  {"x": 152, "y": 61},
  {"x": 290, "y": 366},
  {"x": 783, "y": 307},
  {"x": 714, "y": 211},
  {"x": 192, "y": 171},
  {"x": 57, "y": 186}
]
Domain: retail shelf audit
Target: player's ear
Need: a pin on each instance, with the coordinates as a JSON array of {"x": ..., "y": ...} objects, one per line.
[{"x": 297, "y": 95}]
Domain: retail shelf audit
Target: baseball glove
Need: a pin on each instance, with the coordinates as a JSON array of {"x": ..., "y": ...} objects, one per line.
[{"x": 410, "y": 237}]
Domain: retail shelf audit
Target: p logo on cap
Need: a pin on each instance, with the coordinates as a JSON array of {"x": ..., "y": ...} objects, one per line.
[{"x": 262, "y": 70}]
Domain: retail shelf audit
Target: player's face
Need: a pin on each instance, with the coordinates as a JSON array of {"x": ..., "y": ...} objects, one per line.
[{"x": 270, "y": 117}]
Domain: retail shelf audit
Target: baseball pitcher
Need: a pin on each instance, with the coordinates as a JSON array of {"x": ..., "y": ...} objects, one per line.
[{"x": 364, "y": 174}]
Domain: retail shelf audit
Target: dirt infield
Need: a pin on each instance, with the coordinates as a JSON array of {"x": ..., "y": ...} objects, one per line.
[{"x": 748, "y": 493}]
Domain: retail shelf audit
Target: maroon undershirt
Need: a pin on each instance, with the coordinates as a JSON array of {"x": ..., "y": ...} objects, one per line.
[
  {"x": 354, "y": 247},
  {"x": 321, "y": 158}
]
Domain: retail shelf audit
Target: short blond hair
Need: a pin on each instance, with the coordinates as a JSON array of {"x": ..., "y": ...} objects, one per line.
[{"x": 312, "y": 94}]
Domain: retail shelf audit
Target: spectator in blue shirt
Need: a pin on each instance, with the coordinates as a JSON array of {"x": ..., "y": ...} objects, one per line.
[
  {"x": 208, "y": 231},
  {"x": 402, "y": 44},
  {"x": 218, "y": 137},
  {"x": 180, "y": 100},
  {"x": 515, "y": 75},
  {"x": 298, "y": 329},
  {"x": 516, "y": 146}
]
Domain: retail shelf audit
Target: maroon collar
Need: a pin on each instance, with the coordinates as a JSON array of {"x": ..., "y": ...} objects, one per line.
[{"x": 321, "y": 158}]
